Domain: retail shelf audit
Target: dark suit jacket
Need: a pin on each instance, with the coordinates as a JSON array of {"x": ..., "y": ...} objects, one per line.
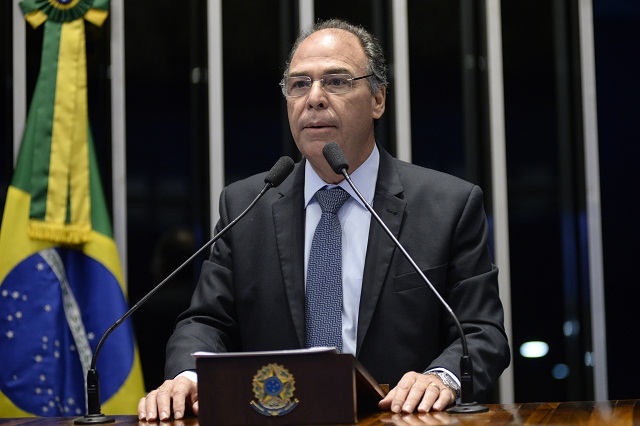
[{"x": 250, "y": 295}]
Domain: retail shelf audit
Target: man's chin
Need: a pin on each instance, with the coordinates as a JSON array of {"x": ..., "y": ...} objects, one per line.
[{"x": 314, "y": 146}]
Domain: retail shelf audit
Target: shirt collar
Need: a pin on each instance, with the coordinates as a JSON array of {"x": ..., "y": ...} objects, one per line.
[{"x": 364, "y": 178}]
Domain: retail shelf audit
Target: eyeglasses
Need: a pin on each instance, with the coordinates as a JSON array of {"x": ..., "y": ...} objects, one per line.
[{"x": 334, "y": 84}]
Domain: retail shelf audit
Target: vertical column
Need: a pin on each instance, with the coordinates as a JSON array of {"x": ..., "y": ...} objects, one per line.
[
  {"x": 499, "y": 176},
  {"x": 305, "y": 14},
  {"x": 594, "y": 223},
  {"x": 19, "y": 79},
  {"x": 216, "y": 99},
  {"x": 118, "y": 132},
  {"x": 401, "y": 80}
]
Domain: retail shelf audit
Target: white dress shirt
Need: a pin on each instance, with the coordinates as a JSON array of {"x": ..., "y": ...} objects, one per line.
[{"x": 354, "y": 221}]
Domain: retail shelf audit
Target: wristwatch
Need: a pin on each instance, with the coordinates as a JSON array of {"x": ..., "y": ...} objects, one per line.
[{"x": 447, "y": 380}]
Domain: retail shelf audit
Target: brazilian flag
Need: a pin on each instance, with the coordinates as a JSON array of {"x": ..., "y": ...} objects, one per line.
[{"x": 61, "y": 284}]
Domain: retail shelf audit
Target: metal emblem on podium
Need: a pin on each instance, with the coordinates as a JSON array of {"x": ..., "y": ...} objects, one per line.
[{"x": 273, "y": 387}]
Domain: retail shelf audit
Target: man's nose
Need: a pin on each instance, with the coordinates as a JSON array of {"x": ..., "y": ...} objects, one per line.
[{"x": 317, "y": 96}]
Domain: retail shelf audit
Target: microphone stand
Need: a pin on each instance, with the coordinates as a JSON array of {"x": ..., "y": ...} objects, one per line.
[
  {"x": 335, "y": 157},
  {"x": 94, "y": 415}
]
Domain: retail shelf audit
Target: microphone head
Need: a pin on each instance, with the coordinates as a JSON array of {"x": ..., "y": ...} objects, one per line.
[
  {"x": 335, "y": 157},
  {"x": 279, "y": 171}
]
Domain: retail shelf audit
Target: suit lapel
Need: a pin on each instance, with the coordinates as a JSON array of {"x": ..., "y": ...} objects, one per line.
[
  {"x": 288, "y": 219},
  {"x": 380, "y": 247}
]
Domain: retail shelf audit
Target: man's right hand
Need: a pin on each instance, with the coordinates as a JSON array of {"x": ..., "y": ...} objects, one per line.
[{"x": 171, "y": 395}]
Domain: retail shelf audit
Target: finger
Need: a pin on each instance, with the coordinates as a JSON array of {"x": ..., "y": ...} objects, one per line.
[
  {"x": 183, "y": 388},
  {"x": 445, "y": 399},
  {"x": 402, "y": 391},
  {"x": 422, "y": 392},
  {"x": 430, "y": 396},
  {"x": 385, "y": 403},
  {"x": 142, "y": 408},
  {"x": 163, "y": 401},
  {"x": 147, "y": 408},
  {"x": 188, "y": 390}
]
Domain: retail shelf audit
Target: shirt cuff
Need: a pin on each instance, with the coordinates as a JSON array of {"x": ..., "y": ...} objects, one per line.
[{"x": 189, "y": 374}]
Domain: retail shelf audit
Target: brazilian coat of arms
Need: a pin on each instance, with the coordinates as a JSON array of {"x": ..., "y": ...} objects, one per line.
[{"x": 273, "y": 387}]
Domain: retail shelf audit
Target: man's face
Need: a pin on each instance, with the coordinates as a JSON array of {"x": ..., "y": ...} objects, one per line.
[{"x": 318, "y": 117}]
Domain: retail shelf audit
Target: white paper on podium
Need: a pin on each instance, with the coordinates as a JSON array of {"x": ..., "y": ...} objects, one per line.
[{"x": 320, "y": 349}]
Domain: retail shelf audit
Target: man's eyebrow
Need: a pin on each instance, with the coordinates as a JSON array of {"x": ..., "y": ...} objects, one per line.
[
  {"x": 325, "y": 72},
  {"x": 337, "y": 71}
]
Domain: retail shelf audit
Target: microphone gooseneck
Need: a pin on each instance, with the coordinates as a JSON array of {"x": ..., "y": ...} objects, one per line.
[
  {"x": 278, "y": 173},
  {"x": 339, "y": 164}
]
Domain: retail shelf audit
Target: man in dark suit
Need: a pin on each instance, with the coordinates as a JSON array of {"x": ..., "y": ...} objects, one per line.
[{"x": 251, "y": 293}]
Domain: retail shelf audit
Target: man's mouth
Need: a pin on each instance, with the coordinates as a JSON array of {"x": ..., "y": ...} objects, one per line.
[{"x": 317, "y": 126}]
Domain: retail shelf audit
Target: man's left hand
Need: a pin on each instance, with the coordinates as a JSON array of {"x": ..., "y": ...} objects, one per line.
[{"x": 417, "y": 390}]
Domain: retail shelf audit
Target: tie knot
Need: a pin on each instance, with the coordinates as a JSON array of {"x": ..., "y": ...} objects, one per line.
[{"x": 331, "y": 199}]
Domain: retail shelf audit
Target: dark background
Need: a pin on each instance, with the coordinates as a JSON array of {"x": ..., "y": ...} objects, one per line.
[{"x": 167, "y": 166}]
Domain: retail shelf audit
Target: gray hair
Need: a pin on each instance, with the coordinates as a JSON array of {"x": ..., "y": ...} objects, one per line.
[{"x": 376, "y": 64}]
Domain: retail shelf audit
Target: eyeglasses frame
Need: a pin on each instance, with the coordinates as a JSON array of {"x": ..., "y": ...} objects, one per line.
[{"x": 322, "y": 83}]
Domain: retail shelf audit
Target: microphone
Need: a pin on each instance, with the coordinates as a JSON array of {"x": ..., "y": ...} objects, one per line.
[
  {"x": 277, "y": 174},
  {"x": 338, "y": 162}
]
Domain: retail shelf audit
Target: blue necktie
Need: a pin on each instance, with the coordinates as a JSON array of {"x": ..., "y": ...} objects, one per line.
[{"x": 323, "y": 309}]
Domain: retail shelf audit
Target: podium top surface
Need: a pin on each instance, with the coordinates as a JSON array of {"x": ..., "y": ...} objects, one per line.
[{"x": 616, "y": 413}]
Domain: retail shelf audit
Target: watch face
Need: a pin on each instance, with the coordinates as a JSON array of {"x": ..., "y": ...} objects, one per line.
[{"x": 448, "y": 381}]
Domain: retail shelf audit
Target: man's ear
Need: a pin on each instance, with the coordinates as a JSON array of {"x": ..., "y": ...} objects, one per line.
[{"x": 378, "y": 102}]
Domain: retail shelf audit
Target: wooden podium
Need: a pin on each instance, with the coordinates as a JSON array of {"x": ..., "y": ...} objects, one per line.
[{"x": 298, "y": 387}]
